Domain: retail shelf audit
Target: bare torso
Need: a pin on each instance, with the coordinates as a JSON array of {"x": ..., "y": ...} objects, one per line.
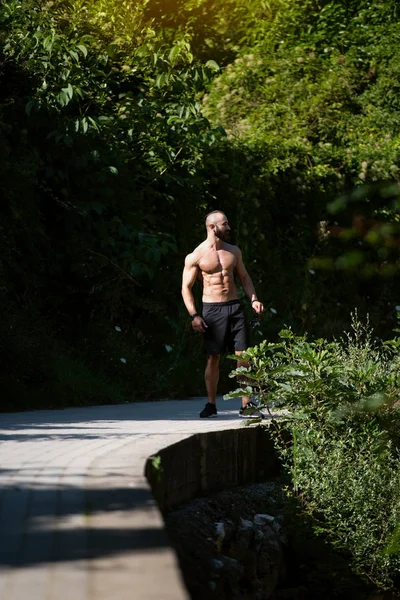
[{"x": 217, "y": 271}]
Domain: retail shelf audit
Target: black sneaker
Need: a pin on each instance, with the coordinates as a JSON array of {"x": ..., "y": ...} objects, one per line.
[
  {"x": 251, "y": 411},
  {"x": 210, "y": 410}
]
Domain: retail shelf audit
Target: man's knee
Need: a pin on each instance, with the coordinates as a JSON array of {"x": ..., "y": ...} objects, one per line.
[
  {"x": 242, "y": 363},
  {"x": 213, "y": 360},
  {"x": 239, "y": 361},
  {"x": 242, "y": 379},
  {"x": 212, "y": 367},
  {"x": 212, "y": 363}
]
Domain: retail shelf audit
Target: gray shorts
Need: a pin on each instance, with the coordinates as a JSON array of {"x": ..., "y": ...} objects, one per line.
[{"x": 226, "y": 327}]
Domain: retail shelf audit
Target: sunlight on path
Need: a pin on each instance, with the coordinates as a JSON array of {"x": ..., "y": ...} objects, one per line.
[{"x": 76, "y": 515}]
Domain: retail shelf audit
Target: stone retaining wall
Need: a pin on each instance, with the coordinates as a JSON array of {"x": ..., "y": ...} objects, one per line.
[{"x": 210, "y": 462}]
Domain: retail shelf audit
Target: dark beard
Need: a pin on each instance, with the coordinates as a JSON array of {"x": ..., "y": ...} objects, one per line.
[{"x": 225, "y": 236}]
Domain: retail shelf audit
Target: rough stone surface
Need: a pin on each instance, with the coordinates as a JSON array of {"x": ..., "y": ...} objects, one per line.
[{"x": 228, "y": 540}]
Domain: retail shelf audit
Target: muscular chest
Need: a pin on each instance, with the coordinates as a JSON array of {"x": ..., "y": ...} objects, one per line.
[{"x": 217, "y": 262}]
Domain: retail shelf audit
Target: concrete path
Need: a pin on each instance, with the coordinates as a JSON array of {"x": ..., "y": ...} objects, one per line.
[{"x": 77, "y": 520}]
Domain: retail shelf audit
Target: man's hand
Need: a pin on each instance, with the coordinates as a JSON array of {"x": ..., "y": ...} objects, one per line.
[
  {"x": 257, "y": 306},
  {"x": 199, "y": 324}
]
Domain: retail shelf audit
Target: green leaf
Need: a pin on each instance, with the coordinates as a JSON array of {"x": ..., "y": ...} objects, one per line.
[
  {"x": 94, "y": 124},
  {"x": 29, "y": 106},
  {"x": 113, "y": 170},
  {"x": 239, "y": 392},
  {"x": 62, "y": 97},
  {"x": 211, "y": 64},
  {"x": 173, "y": 53},
  {"x": 173, "y": 119},
  {"x": 74, "y": 55},
  {"x": 286, "y": 334},
  {"x": 162, "y": 79},
  {"x": 285, "y": 386},
  {"x": 48, "y": 43},
  {"x": 69, "y": 91},
  {"x": 83, "y": 49}
]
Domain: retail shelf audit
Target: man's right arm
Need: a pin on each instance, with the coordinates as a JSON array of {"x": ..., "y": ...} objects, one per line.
[{"x": 190, "y": 274}]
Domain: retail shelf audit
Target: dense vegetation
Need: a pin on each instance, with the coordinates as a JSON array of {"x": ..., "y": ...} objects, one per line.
[
  {"x": 122, "y": 123},
  {"x": 339, "y": 441}
]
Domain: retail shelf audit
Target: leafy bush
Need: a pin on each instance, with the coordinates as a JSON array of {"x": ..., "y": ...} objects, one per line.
[
  {"x": 325, "y": 379},
  {"x": 348, "y": 479},
  {"x": 339, "y": 440}
]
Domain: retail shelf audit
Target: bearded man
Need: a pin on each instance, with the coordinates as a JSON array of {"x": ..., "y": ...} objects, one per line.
[{"x": 222, "y": 322}]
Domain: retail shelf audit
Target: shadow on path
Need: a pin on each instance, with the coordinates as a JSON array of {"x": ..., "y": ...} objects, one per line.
[{"x": 49, "y": 524}]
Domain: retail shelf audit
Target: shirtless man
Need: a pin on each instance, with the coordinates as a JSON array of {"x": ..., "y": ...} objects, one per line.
[{"x": 222, "y": 322}]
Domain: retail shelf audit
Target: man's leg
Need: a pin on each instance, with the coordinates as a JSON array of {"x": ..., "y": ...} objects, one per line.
[
  {"x": 249, "y": 410},
  {"x": 211, "y": 376},
  {"x": 242, "y": 363}
]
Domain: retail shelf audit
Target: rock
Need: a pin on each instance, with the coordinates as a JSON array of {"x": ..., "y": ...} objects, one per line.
[
  {"x": 230, "y": 563},
  {"x": 245, "y": 533},
  {"x": 220, "y": 531},
  {"x": 260, "y": 520},
  {"x": 216, "y": 564},
  {"x": 276, "y": 526},
  {"x": 227, "y": 547},
  {"x": 230, "y": 531},
  {"x": 270, "y": 557},
  {"x": 231, "y": 572},
  {"x": 220, "y": 528},
  {"x": 240, "y": 546},
  {"x": 245, "y": 524}
]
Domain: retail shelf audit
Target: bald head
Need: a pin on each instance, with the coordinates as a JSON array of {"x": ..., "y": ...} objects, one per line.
[
  {"x": 217, "y": 225},
  {"x": 214, "y": 217}
]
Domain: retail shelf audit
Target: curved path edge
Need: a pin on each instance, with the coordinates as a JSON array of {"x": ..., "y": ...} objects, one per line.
[{"x": 77, "y": 516}]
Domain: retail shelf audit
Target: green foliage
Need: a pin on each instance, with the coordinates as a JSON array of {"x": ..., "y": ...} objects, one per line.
[
  {"x": 348, "y": 480},
  {"x": 313, "y": 99},
  {"x": 108, "y": 133},
  {"x": 339, "y": 437},
  {"x": 122, "y": 124},
  {"x": 324, "y": 379}
]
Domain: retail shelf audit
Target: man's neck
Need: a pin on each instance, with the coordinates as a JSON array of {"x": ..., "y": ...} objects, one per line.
[{"x": 214, "y": 242}]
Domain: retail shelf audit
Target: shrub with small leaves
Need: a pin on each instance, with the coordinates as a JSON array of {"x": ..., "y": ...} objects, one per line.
[{"x": 339, "y": 438}]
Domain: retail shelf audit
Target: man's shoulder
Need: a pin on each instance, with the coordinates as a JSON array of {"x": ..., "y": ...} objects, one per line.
[
  {"x": 193, "y": 258},
  {"x": 232, "y": 248},
  {"x": 197, "y": 253}
]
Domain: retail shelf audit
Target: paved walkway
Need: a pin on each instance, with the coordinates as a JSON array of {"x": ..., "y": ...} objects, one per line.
[{"x": 77, "y": 520}]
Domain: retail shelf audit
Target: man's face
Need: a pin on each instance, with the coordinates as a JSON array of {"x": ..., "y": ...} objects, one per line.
[{"x": 222, "y": 229}]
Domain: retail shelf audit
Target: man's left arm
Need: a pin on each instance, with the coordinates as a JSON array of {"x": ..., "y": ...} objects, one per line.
[{"x": 247, "y": 284}]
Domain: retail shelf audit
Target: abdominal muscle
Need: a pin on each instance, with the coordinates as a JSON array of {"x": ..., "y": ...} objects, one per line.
[{"x": 219, "y": 287}]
